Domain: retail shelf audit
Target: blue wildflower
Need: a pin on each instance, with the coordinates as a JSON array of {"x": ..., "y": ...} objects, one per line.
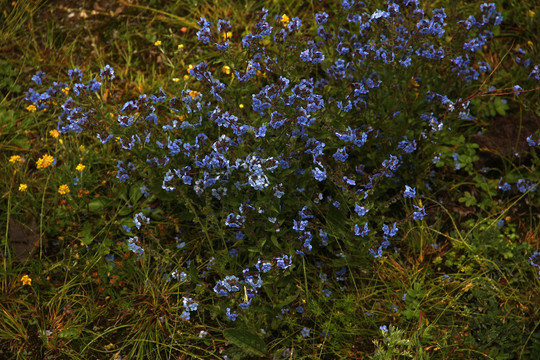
[
  {"x": 341, "y": 155},
  {"x": 420, "y": 213},
  {"x": 362, "y": 233},
  {"x": 107, "y": 73},
  {"x": 38, "y": 77},
  {"x": 185, "y": 315},
  {"x": 321, "y": 18},
  {"x": 409, "y": 192},
  {"x": 139, "y": 220},
  {"x": 132, "y": 246},
  {"x": 360, "y": 210},
  {"x": 319, "y": 174}
]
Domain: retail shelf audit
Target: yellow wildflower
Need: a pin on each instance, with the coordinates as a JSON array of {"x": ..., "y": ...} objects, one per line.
[
  {"x": 193, "y": 94},
  {"x": 186, "y": 77},
  {"x": 45, "y": 161},
  {"x": 175, "y": 79},
  {"x": 227, "y": 35},
  {"x": 530, "y": 13},
  {"x": 54, "y": 133},
  {"x": 241, "y": 106},
  {"x": 284, "y": 20},
  {"x": 31, "y": 108},
  {"x": 189, "y": 68},
  {"x": 15, "y": 158},
  {"x": 80, "y": 167},
  {"x": 23, "y": 187},
  {"x": 226, "y": 70},
  {"x": 82, "y": 148},
  {"x": 26, "y": 280},
  {"x": 65, "y": 90},
  {"x": 63, "y": 189},
  {"x": 157, "y": 43},
  {"x": 180, "y": 47}
]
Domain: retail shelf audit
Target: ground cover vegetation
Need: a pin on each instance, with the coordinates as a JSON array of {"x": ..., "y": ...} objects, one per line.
[{"x": 273, "y": 179}]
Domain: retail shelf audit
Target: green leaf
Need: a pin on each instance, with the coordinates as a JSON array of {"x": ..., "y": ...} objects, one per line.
[
  {"x": 70, "y": 333},
  {"x": 246, "y": 340},
  {"x": 274, "y": 240},
  {"x": 289, "y": 299},
  {"x": 87, "y": 237},
  {"x": 98, "y": 205},
  {"x": 134, "y": 194},
  {"x": 125, "y": 211},
  {"x": 468, "y": 199}
]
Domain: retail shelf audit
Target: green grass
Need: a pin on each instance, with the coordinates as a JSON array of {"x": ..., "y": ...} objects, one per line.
[{"x": 473, "y": 297}]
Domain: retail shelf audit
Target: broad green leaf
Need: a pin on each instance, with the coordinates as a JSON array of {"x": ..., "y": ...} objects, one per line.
[{"x": 246, "y": 340}]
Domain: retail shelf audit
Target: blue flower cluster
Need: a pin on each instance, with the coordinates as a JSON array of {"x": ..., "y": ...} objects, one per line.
[{"x": 314, "y": 152}]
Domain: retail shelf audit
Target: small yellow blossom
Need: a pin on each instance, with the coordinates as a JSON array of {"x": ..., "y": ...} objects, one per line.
[
  {"x": 80, "y": 167},
  {"x": 175, "y": 79},
  {"x": 190, "y": 66},
  {"x": 54, "y": 133},
  {"x": 15, "y": 158},
  {"x": 65, "y": 90},
  {"x": 157, "y": 43},
  {"x": 26, "y": 280},
  {"x": 180, "y": 47},
  {"x": 186, "y": 77},
  {"x": 23, "y": 187},
  {"x": 193, "y": 94},
  {"x": 529, "y": 42},
  {"x": 31, "y": 108},
  {"x": 82, "y": 148},
  {"x": 227, "y": 35},
  {"x": 284, "y": 20},
  {"x": 414, "y": 83},
  {"x": 241, "y": 106},
  {"x": 226, "y": 70},
  {"x": 45, "y": 161},
  {"x": 531, "y": 13},
  {"x": 63, "y": 189}
]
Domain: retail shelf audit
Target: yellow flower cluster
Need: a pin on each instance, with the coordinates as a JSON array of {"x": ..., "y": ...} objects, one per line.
[
  {"x": 15, "y": 158},
  {"x": 284, "y": 20},
  {"x": 157, "y": 43},
  {"x": 227, "y": 35},
  {"x": 80, "y": 167},
  {"x": 23, "y": 187},
  {"x": 63, "y": 189},
  {"x": 54, "y": 133},
  {"x": 31, "y": 108},
  {"x": 45, "y": 161},
  {"x": 193, "y": 94},
  {"x": 26, "y": 280}
]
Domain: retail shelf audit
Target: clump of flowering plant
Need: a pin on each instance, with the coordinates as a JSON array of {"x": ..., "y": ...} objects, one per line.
[{"x": 342, "y": 123}]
